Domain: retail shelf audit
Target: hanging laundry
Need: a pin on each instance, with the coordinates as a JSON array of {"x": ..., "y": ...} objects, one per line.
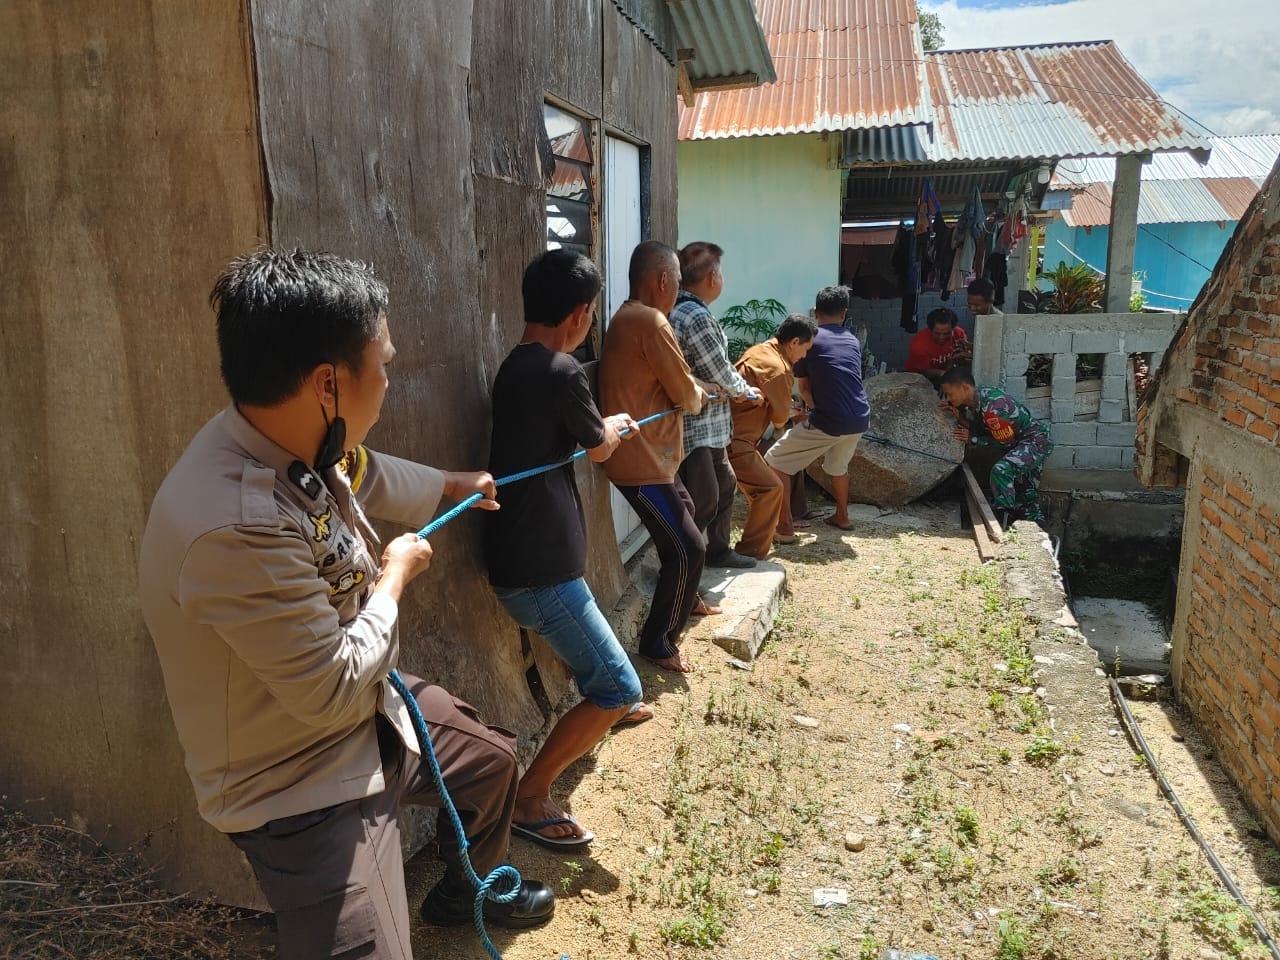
[
  {"x": 927, "y": 206},
  {"x": 998, "y": 274},
  {"x": 969, "y": 230},
  {"x": 906, "y": 266},
  {"x": 942, "y": 254}
]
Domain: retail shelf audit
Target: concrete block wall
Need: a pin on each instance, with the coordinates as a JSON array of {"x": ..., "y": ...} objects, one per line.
[
  {"x": 1079, "y": 445},
  {"x": 1106, "y": 443}
]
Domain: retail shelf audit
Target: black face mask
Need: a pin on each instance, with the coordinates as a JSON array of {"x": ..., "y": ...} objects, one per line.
[{"x": 333, "y": 447}]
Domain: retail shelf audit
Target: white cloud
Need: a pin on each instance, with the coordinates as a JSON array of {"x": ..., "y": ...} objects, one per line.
[{"x": 1219, "y": 62}]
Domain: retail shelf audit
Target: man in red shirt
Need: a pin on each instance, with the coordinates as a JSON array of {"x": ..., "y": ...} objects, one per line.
[{"x": 942, "y": 343}]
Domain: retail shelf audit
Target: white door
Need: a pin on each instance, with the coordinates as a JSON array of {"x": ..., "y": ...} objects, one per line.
[{"x": 622, "y": 234}]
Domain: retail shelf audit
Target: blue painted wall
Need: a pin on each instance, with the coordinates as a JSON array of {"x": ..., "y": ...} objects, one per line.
[{"x": 1169, "y": 278}]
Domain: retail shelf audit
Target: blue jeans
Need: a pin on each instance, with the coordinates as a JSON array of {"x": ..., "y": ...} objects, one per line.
[{"x": 567, "y": 617}]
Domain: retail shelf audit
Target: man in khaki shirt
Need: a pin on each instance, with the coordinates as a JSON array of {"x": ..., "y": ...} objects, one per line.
[
  {"x": 275, "y": 624},
  {"x": 643, "y": 372},
  {"x": 767, "y": 367}
]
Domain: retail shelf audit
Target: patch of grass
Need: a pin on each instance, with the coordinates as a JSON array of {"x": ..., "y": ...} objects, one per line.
[
  {"x": 1216, "y": 916},
  {"x": 1043, "y": 750},
  {"x": 1012, "y": 941},
  {"x": 965, "y": 821}
]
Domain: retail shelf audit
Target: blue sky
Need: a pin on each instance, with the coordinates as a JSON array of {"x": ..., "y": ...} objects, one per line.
[{"x": 1218, "y": 60}]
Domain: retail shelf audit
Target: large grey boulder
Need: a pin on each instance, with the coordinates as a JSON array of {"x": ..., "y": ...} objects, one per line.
[{"x": 920, "y": 454}]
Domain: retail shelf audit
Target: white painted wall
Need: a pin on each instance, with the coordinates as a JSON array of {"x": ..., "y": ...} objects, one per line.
[{"x": 774, "y": 206}]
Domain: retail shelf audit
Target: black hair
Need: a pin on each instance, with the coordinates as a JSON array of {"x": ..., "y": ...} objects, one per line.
[
  {"x": 282, "y": 313},
  {"x": 982, "y": 287},
  {"x": 959, "y": 374},
  {"x": 645, "y": 259},
  {"x": 555, "y": 284},
  {"x": 942, "y": 315},
  {"x": 832, "y": 301},
  {"x": 796, "y": 327},
  {"x": 697, "y": 260}
]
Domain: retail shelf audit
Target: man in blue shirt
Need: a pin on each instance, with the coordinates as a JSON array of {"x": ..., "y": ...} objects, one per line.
[{"x": 830, "y": 382}]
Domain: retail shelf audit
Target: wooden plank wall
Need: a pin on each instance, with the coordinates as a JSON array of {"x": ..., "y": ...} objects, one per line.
[
  {"x": 129, "y": 174},
  {"x": 146, "y": 149}
]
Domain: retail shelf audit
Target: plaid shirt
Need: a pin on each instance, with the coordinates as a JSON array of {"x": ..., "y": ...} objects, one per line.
[{"x": 706, "y": 350}]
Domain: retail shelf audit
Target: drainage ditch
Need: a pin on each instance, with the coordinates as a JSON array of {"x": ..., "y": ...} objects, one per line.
[{"x": 1118, "y": 553}]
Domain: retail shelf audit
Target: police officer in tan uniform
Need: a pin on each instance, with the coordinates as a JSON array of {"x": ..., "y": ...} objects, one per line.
[{"x": 275, "y": 623}]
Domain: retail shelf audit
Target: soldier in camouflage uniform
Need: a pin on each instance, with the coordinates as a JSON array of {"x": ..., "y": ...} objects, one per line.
[{"x": 990, "y": 416}]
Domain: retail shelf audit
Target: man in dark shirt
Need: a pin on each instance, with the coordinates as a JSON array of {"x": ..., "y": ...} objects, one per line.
[
  {"x": 536, "y": 545},
  {"x": 830, "y": 381}
]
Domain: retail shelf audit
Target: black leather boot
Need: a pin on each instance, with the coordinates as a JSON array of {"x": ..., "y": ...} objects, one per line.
[{"x": 451, "y": 904}]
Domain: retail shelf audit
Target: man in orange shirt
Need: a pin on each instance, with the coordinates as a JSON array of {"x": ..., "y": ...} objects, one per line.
[
  {"x": 941, "y": 344},
  {"x": 767, "y": 367},
  {"x": 643, "y": 372}
]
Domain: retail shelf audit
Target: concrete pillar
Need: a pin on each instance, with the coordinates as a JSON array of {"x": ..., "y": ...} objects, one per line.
[
  {"x": 1123, "y": 235},
  {"x": 988, "y": 349}
]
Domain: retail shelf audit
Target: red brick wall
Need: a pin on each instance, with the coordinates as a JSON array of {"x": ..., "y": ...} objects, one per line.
[
  {"x": 1235, "y": 363},
  {"x": 1212, "y": 420},
  {"x": 1230, "y": 675}
]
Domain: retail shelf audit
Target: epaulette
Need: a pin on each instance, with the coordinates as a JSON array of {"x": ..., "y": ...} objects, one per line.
[{"x": 355, "y": 464}]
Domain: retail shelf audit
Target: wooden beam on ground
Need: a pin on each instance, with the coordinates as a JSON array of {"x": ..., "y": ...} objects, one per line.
[
  {"x": 734, "y": 81},
  {"x": 683, "y": 85},
  {"x": 980, "y": 511},
  {"x": 986, "y": 549}
]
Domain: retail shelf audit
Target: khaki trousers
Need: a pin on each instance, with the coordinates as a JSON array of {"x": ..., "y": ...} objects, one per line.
[{"x": 763, "y": 491}]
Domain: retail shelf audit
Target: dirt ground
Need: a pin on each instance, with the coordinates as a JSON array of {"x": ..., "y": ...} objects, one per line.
[{"x": 890, "y": 745}]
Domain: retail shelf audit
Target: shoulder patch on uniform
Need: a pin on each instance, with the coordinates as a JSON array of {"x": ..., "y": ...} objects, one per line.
[
  {"x": 355, "y": 464},
  {"x": 258, "y": 506},
  {"x": 305, "y": 479}
]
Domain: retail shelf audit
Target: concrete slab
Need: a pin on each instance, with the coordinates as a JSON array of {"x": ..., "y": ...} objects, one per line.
[
  {"x": 750, "y": 599},
  {"x": 1126, "y": 630}
]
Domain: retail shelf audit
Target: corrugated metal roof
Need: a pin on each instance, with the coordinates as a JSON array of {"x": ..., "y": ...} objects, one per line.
[
  {"x": 840, "y": 64},
  {"x": 1234, "y": 194},
  {"x": 1166, "y": 201},
  {"x": 654, "y": 21},
  {"x": 1175, "y": 187},
  {"x": 726, "y": 38},
  {"x": 1045, "y": 102},
  {"x": 1232, "y": 157}
]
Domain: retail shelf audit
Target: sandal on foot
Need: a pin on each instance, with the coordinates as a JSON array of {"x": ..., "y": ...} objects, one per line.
[
  {"x": 639, "y": 713},
  {"x": 530, "y": 832}
]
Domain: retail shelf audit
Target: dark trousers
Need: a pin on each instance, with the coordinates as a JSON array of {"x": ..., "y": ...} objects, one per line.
[
  {"x": 709, "y": 478},
  {"x": 666, "y": 510},
  {"x": 335, "y": 877}
]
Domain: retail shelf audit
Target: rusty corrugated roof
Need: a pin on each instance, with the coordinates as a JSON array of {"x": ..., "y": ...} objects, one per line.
[
  {"x": 1050, "y": 101},
  {"x": 841, "y": 64}
]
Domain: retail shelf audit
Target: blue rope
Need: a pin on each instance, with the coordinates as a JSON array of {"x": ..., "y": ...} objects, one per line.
[
  {"x": 491, "y": 887},
  {"x": 458, "y": 509}
]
